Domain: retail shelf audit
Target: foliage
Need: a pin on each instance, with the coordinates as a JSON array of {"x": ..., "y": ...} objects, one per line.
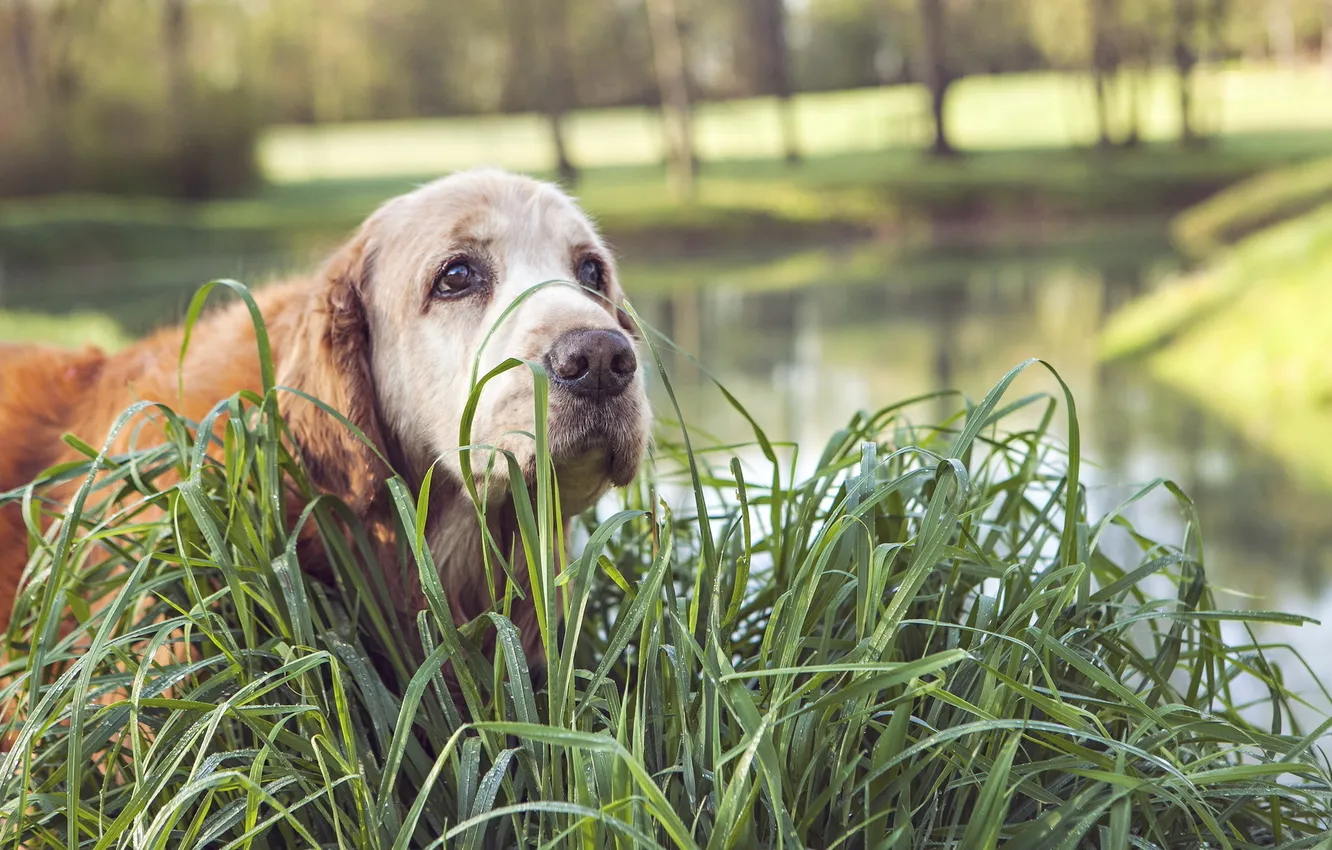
[
  {"x": 919, "y": 638},
  {"x": 122, "y": 147}
]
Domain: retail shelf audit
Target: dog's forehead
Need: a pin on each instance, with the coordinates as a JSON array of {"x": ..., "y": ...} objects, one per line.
[{"x": 505, "y": 212}]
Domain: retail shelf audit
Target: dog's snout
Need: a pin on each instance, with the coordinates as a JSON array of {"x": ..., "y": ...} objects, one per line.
[{"x": 593, "y": 363}]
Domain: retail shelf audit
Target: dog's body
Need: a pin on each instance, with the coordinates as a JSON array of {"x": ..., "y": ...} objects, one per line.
[{"x": 389, "y": 334}]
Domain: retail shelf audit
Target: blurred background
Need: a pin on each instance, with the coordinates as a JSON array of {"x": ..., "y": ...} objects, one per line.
[{"x": 834, "y": 204}]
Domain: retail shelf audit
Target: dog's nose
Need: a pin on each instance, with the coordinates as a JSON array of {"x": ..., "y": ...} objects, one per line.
[{"x": 593, "y": 363}]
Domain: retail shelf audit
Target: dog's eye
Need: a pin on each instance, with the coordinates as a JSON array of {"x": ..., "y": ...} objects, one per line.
[
  {"x": 592, "y": 274},
  {"x": 458, "y": 276}
]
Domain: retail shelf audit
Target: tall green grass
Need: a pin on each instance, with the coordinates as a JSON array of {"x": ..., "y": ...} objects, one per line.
[{"x": 919, "y": 639}]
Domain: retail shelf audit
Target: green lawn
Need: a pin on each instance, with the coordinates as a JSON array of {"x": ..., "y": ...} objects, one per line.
[{"x": 987, "y": 113}]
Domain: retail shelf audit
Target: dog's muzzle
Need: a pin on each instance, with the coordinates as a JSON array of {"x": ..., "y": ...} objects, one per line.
[{"x": 593, "y": 364}]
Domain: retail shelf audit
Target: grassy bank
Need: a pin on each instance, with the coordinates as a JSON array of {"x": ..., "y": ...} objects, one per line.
[
  {"x": 1246, "y": 335},
  {"x": 757, "y": 205},
  {"x": 1252, "y": 205},
  {"x": 922, "y": 642}
]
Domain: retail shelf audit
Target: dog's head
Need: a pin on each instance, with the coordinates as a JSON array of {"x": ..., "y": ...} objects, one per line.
[{"x": 446, "y": 283}]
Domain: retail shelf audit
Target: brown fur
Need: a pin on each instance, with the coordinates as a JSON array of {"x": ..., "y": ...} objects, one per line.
[{"x": 45, "y": 393}]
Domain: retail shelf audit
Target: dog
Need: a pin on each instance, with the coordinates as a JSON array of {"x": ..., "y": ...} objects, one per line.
[{"x": 437, "y": 285}]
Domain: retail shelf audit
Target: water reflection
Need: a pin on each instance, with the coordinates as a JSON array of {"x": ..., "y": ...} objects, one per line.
[
  {"x": 805, "y": 358},
  {"x": 143, "y": 295}
]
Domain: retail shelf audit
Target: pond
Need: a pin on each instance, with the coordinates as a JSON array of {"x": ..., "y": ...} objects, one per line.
[{"x": 805, "y": 340}]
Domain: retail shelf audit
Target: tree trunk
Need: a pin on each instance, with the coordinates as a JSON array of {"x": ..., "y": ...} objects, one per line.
[
  {"x": 1103, "y": 140},
  {"x": 771, "y": 68},
  {"x": 564, "y": 166},
  {"x": 64, "y": 80},
  {"x": 1102, "y": 63},
  {"x": 937, "y": 75},
  {"x": 672, "y": 78},
  {"x": 520, "y": 65},
  {"x": 1327, "y": 35},
  {"x": 22, "y": 40},
  {"x": 1186, "y": 58},
  {"x": 175, "y": 46},
  {"x": 1133, "y": 137},
  {"x": 557, "y": 88},
  {"x": 1281, "y": 31},
  {"x": 177, "y": 60}
]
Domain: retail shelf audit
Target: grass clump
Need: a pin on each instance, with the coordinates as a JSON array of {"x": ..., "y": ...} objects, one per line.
[{"x": 924, "y": 641}]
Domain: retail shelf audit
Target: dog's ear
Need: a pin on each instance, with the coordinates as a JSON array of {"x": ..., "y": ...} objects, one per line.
[{"x": 329, "y": 359}]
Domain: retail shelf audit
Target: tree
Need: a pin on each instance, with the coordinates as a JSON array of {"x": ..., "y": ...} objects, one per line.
[
  {"x": 937, "y": 76},
  {"x": 1186, "y": 58},
  {"x": 668, "y": 54},
  {"x": 1281, "y": 30},
  {"x": 1138, "y": 29},
  {"x": 1327, "y": 35},
  {"x": 1133, "y": 83},
  {"x": 21, "y": 27},
  {"x": 770, "y": 70},
  {"x": 1102, "y": 65},
  {"x": 557, "y": 87},
  {"x": 175, "y": 48},
  {"x": 520, "y": 74}
]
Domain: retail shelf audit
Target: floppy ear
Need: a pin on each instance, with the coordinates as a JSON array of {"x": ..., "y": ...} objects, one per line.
[{"x": 329, "y": 359}]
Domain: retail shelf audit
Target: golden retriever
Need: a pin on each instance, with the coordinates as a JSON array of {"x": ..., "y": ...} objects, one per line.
[{"x": 389, "y": 334}]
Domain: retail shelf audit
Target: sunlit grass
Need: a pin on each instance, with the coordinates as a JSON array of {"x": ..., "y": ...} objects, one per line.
[
  {"x": 917, "y": 638},
  {"x": 987, "y": 113},
  {"x": 1246, "y": 337},
  {"x": 66, "y": 330},
  {"x": 1263, "y": 269},
  {"x": 1253, "y": 204}
]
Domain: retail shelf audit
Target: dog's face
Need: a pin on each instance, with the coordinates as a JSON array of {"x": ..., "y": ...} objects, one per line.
[{"x": 484, "y": 266}]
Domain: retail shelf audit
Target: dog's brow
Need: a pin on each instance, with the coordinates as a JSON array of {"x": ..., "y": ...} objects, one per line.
[
  {"x": 465, "y": 229},
  {"x": 469, "y": 244}
]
